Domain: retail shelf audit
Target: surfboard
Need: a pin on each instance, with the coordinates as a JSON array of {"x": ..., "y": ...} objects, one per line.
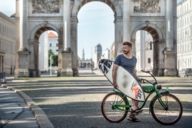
[{"x": 127, "y": 84}]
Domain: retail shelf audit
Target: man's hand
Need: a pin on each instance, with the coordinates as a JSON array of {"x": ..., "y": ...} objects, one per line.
[
  {"x": 114, "y": 75},
  {"x": 115, "y": 85}
]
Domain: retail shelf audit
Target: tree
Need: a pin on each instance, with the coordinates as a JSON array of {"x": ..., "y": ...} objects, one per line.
[{"x": 53, "y": 59}]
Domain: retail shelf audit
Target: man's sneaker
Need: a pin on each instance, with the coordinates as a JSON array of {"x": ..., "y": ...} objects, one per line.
[
  {"x": 137, "y": 111},
  {"x": 133, "y": 119}
]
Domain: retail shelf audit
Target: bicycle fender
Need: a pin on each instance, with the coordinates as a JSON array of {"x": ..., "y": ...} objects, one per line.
[{"x": 162, "y": 92}]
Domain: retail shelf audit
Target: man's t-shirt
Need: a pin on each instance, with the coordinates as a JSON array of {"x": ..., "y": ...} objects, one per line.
[{"x": 126, "y": 63}]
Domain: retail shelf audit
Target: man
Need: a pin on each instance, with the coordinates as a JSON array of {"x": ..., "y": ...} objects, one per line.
[{"x": 128, "y": 62}]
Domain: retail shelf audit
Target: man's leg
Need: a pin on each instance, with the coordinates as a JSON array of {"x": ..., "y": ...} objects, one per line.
[
  {"x": 134, "y": 111},
  {"x": 134, "y": 104}
]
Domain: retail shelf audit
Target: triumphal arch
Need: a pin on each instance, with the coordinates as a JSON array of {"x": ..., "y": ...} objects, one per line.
[{"x": 158, "y": 17}]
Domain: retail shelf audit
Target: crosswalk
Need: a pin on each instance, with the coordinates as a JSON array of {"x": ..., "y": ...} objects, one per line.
[{"x": 78, "y": 100}]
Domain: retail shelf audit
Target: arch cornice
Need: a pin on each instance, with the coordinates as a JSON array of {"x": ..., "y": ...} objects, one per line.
[
  {"x": 80, "y": 3},
  {"x": 145, "y": 25},
  {"x": 47, "y": 25}
]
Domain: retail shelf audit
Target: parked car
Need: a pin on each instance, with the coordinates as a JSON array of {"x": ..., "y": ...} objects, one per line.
[{"x": 185, "y": 72}]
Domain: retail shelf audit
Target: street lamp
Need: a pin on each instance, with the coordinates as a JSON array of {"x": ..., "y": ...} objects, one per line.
[{"x": 50, "y": 66}]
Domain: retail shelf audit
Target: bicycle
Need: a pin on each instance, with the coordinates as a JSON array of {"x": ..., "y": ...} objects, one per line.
[{"x": 116, "y": 105}]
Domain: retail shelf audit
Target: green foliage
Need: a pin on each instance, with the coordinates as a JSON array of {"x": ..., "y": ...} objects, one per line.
[{"x": 53, "y": 59}]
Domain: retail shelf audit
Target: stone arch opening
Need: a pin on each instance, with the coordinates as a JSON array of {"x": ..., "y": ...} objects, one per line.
[
  {"x": 155, "y": 57},
  {"x": 41, "y": 31},
  {"x": 128, "y": 18},
  {"x": 41, "y": 49},
  {"x": 108, "y": 2},
  {"x": 96, "y": 31}
]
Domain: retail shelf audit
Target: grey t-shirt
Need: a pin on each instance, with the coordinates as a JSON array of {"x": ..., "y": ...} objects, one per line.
[{"x": 126, "y": 63}]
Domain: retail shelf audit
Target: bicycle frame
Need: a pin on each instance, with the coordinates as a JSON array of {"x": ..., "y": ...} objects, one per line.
[{"x": 154, "y": 89}]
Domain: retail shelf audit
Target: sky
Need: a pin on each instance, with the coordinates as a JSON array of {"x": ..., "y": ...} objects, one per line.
[
  {"x": 95, "y": 25},
  {"x": 7, "y": 7}
]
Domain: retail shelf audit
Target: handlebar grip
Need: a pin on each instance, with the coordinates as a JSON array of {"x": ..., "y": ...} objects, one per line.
[{"x": 145, "y": 71}]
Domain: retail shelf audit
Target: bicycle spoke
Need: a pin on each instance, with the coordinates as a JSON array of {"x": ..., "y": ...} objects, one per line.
[
  {"x": 167, "y": 109},
  {"x": 114, "y": 107}
]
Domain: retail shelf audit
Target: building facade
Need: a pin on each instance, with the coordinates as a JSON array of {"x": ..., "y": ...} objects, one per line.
[
  {"x": 144, "y": 51},
  {"x": 86, "y": 64},
  {"x": 158, "y": 17},
  {"x": 97, "y": 55},
  {"x": 7, "y": 44},
  {"x": 106, "y": 54},
  {"x": 53, "y": 41},
  {"x": 184, "y": 34},
  {"x": 47, "y": 41}
]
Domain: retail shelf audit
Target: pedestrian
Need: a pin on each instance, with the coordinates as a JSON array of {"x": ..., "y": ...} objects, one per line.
[{"x": 128, "y": 62}]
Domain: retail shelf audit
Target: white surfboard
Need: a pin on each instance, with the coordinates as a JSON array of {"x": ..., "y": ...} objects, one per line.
[{"x": 127, "y": 84}]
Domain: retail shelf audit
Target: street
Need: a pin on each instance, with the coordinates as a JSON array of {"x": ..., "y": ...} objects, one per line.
[{"x": 74, "y": 102}]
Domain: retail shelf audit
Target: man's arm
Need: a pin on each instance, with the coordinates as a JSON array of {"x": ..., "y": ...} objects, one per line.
[{"x": 114, "y": 75}]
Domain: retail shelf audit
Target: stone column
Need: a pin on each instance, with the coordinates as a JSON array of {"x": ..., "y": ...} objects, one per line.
[
  {"x": 25, "y": 24},
  {"x": 20, "y": 20},
  {"x": 67, "y": 24},
  {"x": 118, "y": 34},
  {"x": 170, "y": 52},
  {"x": 22, "y": 63},
  {"x": 169, "y": 25},
  {"x": 65, "y": 63},
  {"x": 34, "y": 58},
  {"x": 65, "y": 55},
  {"x": 126, "y": 21},
  {"x": 75, "y": 63}
]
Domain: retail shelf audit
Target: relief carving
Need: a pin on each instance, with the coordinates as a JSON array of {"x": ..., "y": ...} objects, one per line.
[
  {"x": 45, "y": 6},
  {"x": 147, "y": 6}
]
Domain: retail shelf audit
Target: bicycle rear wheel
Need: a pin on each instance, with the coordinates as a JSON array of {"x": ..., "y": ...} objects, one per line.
[
  {"x": 113, "y": 107},
  {"x": 167, "y": 109}
]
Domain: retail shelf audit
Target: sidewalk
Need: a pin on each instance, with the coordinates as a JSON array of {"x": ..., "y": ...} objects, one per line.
[{"x": 14, "y": 113}]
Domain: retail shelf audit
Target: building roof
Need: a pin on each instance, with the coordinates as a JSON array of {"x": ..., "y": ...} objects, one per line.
[
  {"x": 52, "y": 34},
  {"x": 5, "y": 17}
]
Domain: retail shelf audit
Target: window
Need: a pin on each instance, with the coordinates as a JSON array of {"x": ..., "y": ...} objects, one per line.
[
  {"x": 191, "y": 31},
  {"x": 191, "y": 18},
  {"x": 149, "y": 60}
]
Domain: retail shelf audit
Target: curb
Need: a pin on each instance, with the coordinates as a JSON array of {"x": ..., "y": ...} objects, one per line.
[{"x": 40, "y": 116}]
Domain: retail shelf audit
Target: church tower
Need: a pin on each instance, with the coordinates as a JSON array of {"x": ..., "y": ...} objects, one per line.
[{"x": 83, "y": 55}]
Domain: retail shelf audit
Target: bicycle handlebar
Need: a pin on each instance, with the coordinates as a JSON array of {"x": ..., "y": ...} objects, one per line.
[
  {"x": 148, "y": 72},
  {"x": 145, "y": 71}
]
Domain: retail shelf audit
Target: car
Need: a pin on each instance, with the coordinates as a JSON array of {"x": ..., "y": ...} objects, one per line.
[{"x": 185, "y": 72}]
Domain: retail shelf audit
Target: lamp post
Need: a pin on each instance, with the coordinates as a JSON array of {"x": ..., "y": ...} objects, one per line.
[{"x": 50, "y": 66}]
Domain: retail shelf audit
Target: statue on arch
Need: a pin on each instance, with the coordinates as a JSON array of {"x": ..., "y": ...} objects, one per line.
[
  {"x": 45, "y": 6},
  {"x": 147, "y": 6}
]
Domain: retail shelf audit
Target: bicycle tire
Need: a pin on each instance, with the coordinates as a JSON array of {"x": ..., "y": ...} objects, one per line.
[
  {"x": 105, "y": 113},
  {"x": 164, "y": 119}
]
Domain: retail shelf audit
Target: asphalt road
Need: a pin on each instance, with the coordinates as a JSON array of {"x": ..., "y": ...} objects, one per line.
[{"x": 75, "y": 102}]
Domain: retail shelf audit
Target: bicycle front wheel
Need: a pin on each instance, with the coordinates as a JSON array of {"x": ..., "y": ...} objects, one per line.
[
  {"x": 166, "y": 109},
  {"x": 113, "y": 107}
]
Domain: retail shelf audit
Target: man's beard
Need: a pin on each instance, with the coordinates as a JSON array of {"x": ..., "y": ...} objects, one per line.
[{"x": 126, "y": 52}]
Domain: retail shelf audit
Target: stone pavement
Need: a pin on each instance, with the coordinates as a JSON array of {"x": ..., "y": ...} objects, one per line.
[
  {"x": 14, "y": 113},
  {"x": 74, "y": 102},
  {"x": 66, "y": 100}
]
